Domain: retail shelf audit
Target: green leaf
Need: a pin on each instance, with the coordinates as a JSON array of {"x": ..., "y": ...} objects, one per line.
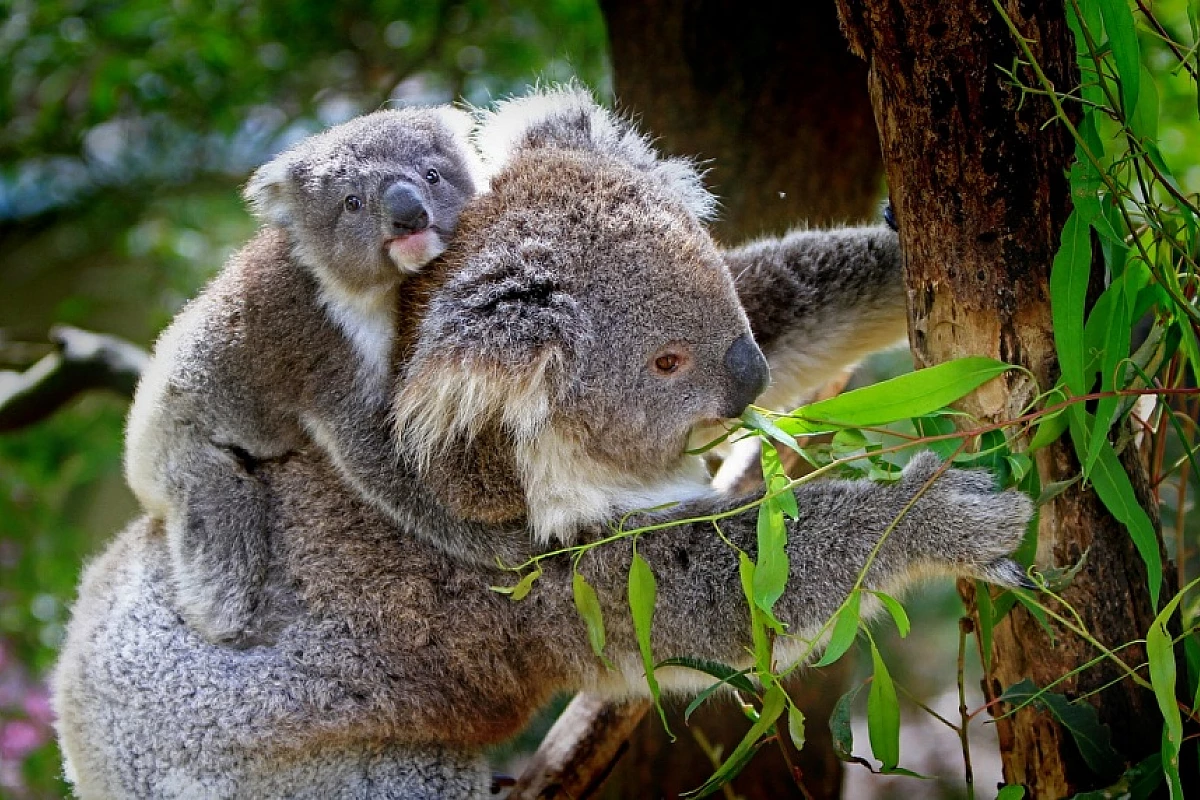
[
  {"x": 1161, "y": 653},
  {"x": 844, "y": 631},
  {"x": 758, "y": 630},
  {"x": 1093, "y": 738},
  {"x": 776, "y": 481},
  {"x": 771, "y": 567},
  {"x": 1111, "y": 483},
  {"x": 756, "y": 421},
  {"x": 774, "y": 701},
  {"x": 938, "y": 425},
  {"x": 897, "y": 611},
  {"x": 987, "y": 623},
  {"x": 839, "y": 725},
  {"x": 588, "y": 606},
  {"x": 1022, "y": 597},
  {"x": 1019, "y": 465},
  {"x": 796, "y": 726},
  {"x": 1122, "y": 36},
  {"x": 883, "y": 714},
  {"x": 522, "y": 588},
  {"x": 1011, "y": 792},
  {"x": 1116, "y": 348},
  {"x": 1191, "y": 650},
  {"x": 1068, "y": 293},
  {"x": 642, "y": 593},
  {"x": 1144, "y": 122},
  {"x": 1051, "y": 426},
  {"x": 913, "y": 395}
]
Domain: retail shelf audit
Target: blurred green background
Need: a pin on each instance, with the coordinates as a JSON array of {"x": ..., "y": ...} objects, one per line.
[{"x": 126, "y": 131}]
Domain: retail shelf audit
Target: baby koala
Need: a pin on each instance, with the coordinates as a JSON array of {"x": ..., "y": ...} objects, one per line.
[{"x": 291, "y": 344}]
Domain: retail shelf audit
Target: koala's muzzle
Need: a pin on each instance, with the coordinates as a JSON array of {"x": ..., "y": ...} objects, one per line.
[
  {"x": 748, "y": 373},
  {"x": 405, "y": 208}
]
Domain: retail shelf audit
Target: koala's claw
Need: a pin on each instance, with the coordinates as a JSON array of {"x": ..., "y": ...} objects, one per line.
[{"x": 1008, "y": 573}]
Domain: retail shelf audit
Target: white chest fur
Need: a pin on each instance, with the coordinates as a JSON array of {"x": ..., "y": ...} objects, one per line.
[{"x": 368, "y": 321}]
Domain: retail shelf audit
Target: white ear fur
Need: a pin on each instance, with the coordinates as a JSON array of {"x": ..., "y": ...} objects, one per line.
[
  {"x": 569, "y": 117},
  {"x": 461, "y": 124},
  {"x": 267, "y": 191}
]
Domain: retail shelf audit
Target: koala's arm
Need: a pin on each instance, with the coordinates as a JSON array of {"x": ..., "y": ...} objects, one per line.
[
  {"x": 818, "y": 302},
  {"x": 960, "y": 526},
  {"x": 196, "y": 434}
]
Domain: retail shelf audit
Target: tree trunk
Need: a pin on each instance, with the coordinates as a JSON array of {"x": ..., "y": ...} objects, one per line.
[
  {"x": 980, "y": 193},
  {"x": 767, "y": 94},
  {"x": 772, "y": 100}
]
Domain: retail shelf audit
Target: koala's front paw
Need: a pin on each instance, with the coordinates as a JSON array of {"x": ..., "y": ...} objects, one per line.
[{"x": 964, "y": 523}]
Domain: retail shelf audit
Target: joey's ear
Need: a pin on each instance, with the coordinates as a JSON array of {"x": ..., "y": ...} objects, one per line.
[
  {"x": 269, "y": 190},
  {"x": 494, "y": 348},
  {"x": 461, "y": 125},
  {"x": 568, "y": 117}
]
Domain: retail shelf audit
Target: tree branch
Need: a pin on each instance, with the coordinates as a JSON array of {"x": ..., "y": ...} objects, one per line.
[
  {"x": 580, "y": 750},
  {"x": 82, "y": 361}
]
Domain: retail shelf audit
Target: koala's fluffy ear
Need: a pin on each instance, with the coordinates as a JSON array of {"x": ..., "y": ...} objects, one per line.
[
  {"x": 269, "y": 190},
  {"x": 461, "y": 124},
  {"x": 492, "y": 349},
  {"x": 569, "y": 117}
]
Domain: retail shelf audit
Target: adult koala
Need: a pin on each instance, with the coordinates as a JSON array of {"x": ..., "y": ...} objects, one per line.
[{"x": 581, "y": 324}]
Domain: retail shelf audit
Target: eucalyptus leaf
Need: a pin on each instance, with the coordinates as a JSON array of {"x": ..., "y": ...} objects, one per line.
[
  {"x": 796, "y": 727},
  {"x": 1111, "y": 483},
  {"x": 643, "y": 591},
  {"x": 903, "y": 626},
  {"x": 913, "y": 395},
  {"x": 1093, "y": 738},
  {"x": 1122, "y": 36},
  {"x": 844, "y": 630},
  {"x": 1069, "y": 276},
  {"x": 774, "y": 702},
  {"x": 588, "y": 606},
  {"x": 883, "y": 714}
]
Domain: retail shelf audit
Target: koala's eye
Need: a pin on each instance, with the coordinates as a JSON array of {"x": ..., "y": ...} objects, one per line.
[
  {"x": 667, "y": 363},
  {"x": 432, "y": 176},
  {"x": 353, "y": 203}
]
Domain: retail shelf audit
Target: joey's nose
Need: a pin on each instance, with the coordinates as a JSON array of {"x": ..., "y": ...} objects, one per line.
[
  {"x": 748, "y": 374},
  {"x": 403, "y": 205}
]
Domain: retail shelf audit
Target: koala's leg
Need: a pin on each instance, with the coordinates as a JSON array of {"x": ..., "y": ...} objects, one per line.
[
  {"x": 960, "y": 526},
  {"x": 820, "y": 301},
  {"x": 217, "y": 534},
  {"x": 147, "y": 709}
]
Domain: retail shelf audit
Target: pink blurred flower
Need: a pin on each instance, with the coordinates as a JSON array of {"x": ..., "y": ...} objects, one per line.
[{"x": 19, "y": 738}]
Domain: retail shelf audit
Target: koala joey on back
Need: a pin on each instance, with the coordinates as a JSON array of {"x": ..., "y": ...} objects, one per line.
[
  {"x": 581, "y": 323},
  {"x": 292, "y": 342}
]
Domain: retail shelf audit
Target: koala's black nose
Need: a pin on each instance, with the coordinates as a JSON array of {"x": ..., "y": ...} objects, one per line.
[
  {"x": 748, "y": 374},
  {"x": 405, "y": 208}
]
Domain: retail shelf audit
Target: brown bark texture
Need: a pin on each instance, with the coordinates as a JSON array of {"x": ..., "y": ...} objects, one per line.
[
  {"x": 773, "y": 102},
  {"x": 978, "y": 185},
  {"x": 579, "y": 751}
]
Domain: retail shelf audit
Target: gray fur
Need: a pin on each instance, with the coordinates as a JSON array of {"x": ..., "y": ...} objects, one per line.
[
  {"x": 820, "y": 301},
  {"x": 291, "y": 342},
  {"x": 399, "y": 664}
]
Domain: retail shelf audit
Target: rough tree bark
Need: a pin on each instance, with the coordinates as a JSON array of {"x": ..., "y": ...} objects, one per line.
[
  {"x": 981, "y": 196},
  {"x": 773, "y": 101}
]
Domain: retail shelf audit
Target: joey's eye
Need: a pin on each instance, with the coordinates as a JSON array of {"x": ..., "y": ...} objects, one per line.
[
  {"x": 432, "y": 176},
  {"x": 666, "y": 363},
  {"x": 353, "y": 203}
]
